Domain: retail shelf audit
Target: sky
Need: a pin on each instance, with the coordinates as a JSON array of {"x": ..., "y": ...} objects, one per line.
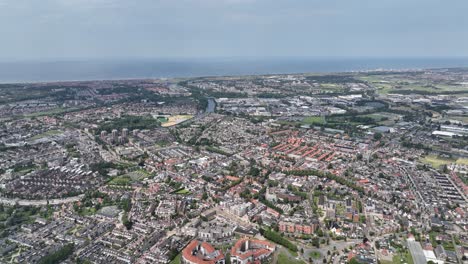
[{"x": 128, "y": 29}]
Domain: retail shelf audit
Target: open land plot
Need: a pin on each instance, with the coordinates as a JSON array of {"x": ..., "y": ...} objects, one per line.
[
  {"x": 174, "y": 120},
  {"x": 315, "y": 255},
  {"x": 310, "y": 120},
  {"x": 284, "y": 258},
  {"x": 121, "y": 180},
  {"x": 436, "y": 161},
  {"x": 47, "y": 134}
]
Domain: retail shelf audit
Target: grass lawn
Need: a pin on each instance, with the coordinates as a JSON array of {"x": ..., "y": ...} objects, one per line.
[
  {"x": 432, "y": 236},
  {"x": 51, "y": 112},
  {"x": 183, "y": 191},
  {"x": 315, "y": 255},
  {"x": 88, "y": 211},
  {"x": 462, "y": 161},
  {"x": 47, "y": 134},
  {"x": 406, "y": 258},
  {"x": 163, "y": 119},
  {"x": 340, "y": 209},
  {"x": 463, "y": 119},
  {"x": 121, "y": 180},
  {"x": 138, "y": 175},
  {"x": 283, "y": 258},
  {"x": 176, "y": 260},
  {"x": 436, "y": 161},
  {"x": 448, "y": 246},
  {"x": 311, "y": 120},
  {"x": 377, "y": 117}
]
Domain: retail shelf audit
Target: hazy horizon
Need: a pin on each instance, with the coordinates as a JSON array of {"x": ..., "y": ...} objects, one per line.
[
  {"x": 118, "y": 29},
  {"x": 111, "y": 69}
]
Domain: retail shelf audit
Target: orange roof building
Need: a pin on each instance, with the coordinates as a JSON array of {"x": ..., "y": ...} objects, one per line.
[
  {"x": 197, "y": 252},
  {"x": 249, "y": 251}
]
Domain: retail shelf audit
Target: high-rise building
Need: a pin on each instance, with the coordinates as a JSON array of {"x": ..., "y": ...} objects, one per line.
[
  {"x": 103, "y": 134},
  {"x": 124, "y": 133},
  {"x": 114, "y": 134}
]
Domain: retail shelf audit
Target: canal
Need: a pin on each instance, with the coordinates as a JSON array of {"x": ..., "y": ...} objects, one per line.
[{"x": 210, "y": 108}]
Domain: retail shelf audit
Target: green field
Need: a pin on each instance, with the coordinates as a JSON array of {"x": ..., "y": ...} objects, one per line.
[
  {"x": 87, "y": 211},
  {"x": 313, "y": 120},
  {"x": 176, "y": 260},
  {"x": 463, "y": 119},
  {"x": 396, "y": 83},
  {"x": 138, "y": 175},
  {"x": 163, "y": 119},
  {"x": 121, "y": 180},
  {"x": 436, "y": 161},
  {"x": 283, "y": 258},
  {"x": 55, "y": 111},
  {"x": 406, "y": 258},
  {"x": 47, "y": 134},
  {"x": 315, "y": 255},
  {"x": 183, "y": 191}
]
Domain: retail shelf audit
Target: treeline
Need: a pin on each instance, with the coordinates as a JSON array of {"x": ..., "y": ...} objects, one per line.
[
  {"x": 217, "y": 150},
  {"x": 408, "y": 144},
  {"x": 270, "y": 95},
  {"x": 332, "y": 78},
  {"x": 271, "y": 205},
  {"x": 328, "y": 175},
  {"x": 422, "y": 92},
  {"x": 277, "y": 238},
  {"x": 3, "y": 147},
  {"x": 227, "y": 94},
  {"x": 130, "y": 122},
  {"x": 196, "y": 94},
  {"x": 58, "y": 256},
  {"x": 126, "y": 206},
  {"x": 235, "y": 183},
  {"x": 297, "y": 192}
]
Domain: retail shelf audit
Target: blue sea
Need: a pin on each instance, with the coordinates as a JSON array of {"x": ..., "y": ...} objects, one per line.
[{"x": 35, "y": 71}]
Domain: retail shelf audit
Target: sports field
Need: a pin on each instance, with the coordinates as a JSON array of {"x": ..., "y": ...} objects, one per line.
[{"x": 174, "y": 120}]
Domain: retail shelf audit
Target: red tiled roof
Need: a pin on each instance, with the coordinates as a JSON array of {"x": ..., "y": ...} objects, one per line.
[
  {"x": 255, "y": 252},
  {"x": 187, "y": 253}
]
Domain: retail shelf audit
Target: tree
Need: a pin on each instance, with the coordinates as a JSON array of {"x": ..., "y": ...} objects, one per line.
[
  {"x": 277, "y": 238},
  {"x": 378, "y": 136},
  {"x": 319, "y": 232},
  {"x": 254, "y": 171},
  {"x": 316, "y": 242},
  {"x": 58, "y": 256},
  {"x": 359, "y": 156}
]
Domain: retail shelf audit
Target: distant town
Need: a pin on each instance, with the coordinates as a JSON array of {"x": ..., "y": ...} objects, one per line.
[{"x": 357, "y": 167}]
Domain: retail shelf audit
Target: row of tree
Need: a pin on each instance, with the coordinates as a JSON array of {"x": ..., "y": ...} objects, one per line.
[
  {"x": 58, "y": 256},
  {"x": 328, "y": 175},
  {"x": 277, "y": 238}
]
